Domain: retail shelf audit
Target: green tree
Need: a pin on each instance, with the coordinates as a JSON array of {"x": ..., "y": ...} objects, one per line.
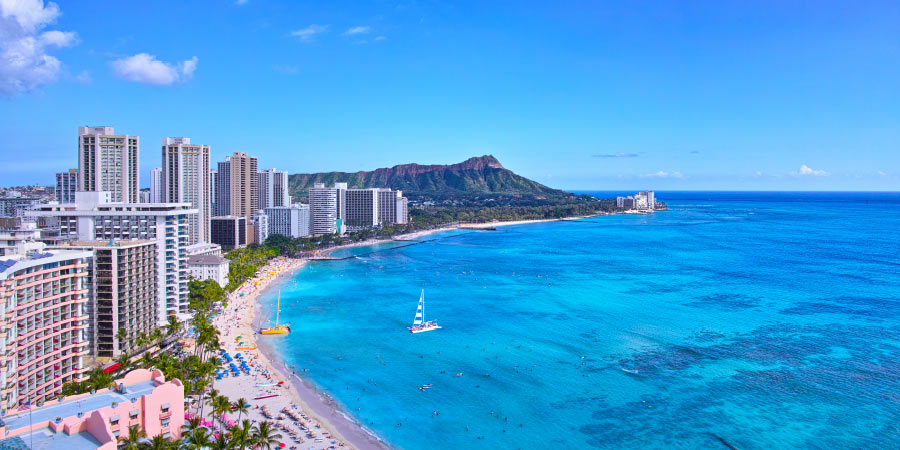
[
  {"x": 132, "y": 441},
  {"x": 265, "y": 436}
]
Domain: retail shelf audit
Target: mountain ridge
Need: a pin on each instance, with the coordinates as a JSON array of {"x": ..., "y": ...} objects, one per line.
[{"x": 476, "y": 176}]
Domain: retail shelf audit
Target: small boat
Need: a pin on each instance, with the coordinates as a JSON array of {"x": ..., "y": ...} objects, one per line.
[
  {"x": 419, "y": 324},
  {"x": 277, "y": 329}
]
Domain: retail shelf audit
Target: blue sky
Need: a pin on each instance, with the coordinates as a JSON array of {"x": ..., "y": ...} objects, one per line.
[{"x": 737, "y": 95}]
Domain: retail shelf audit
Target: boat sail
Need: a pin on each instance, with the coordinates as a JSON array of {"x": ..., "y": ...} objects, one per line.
[
  {"x": 419, "y": 323},
  {"x": 277, "y": 329}
]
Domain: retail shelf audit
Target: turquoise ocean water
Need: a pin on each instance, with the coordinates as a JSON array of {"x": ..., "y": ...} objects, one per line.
[{"x": 756, "y": 320}]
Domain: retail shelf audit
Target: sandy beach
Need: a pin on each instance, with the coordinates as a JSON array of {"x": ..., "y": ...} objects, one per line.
[{"x": 315, "y": 422}]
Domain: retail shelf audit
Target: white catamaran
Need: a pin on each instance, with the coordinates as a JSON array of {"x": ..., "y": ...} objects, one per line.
[{"x": 419, "y": 324}]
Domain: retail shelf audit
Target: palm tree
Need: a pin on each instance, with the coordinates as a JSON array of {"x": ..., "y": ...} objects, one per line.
[
  {"x": 147, "y": 360},
  {"x": 241, "y": 406},
  {"x": 124, "y": 362},
  {"x": 122, "y": 335},
  {"x": 173, "y": 327},
  {"x": 221, "y": 442},
  {"x": 156, "y": 336},
  {"x": 264, "y": 436},
  {"x": 192, "y": 424},
  {"x": 242, "y": 433},
  {"x": 99, "y": 379},
  {"x": 221, "y": 405},
  {"x": 198, "y": 439},
  {"x": 159, "y": 443},
  {"x": 135, "y": 434}
]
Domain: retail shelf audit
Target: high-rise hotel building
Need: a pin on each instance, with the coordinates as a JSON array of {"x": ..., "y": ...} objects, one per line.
[
  {"x": 323, "y": 210},
  {"x": 243, "y": 189},
  {"x": 108, "y": 162},
  {"x": 186, "y": 179},
  {"x": 273, "y": 189},
  {"x": 223, "y": 188},
  {"x": 93, "y": 217},
  {"x": 122, "y": 281},
  {"x": 44, "y": 324}
]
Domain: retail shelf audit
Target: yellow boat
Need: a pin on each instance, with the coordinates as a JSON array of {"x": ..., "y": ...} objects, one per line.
[{"x": 277, "y": 329}]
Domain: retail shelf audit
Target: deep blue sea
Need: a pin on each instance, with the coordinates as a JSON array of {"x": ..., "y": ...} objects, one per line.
[{"x": 751, "y": 320}]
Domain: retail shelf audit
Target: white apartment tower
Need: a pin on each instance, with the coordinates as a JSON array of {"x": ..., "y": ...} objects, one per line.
[
  {"x": 156, "y": 185},
  {"x": 94, "y": 218},
  {"x": 323, "y": 209},
  {"x": 185, "y": 179},
  {"x": 108, "y": 162},
  {"x": 291, "y": 221},
  {"x": 273, "y": 189}
]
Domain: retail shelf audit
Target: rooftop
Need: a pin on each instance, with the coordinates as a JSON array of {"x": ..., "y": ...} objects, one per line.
[
  {"x": 53, "y": 409},
  {"x": 205, "y": 259},
  {"x": 46, "y": 439},
  {"x": 113, "y": 243}
]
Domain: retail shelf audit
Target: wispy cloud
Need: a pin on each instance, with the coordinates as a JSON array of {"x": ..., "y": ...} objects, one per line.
[
  {"x": 288, "y": 69},
  {"x": 358, "y": 30},
  {"x": 309, "y": 33},
  {"x": 240, "y": 2},
  {"x": 663, "y": 174},
  {"x": 24, "y": 62},
  {"x": 380, "y": 38},
  {"x": 808, "y": 171},
  {"x": 145, "y": 68},
  {"x": 616, "y": 155},
  {"x": 882, "y": 173},
  {"x": 83, "y": 77}
]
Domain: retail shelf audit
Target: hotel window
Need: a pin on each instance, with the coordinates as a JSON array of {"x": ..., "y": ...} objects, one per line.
[
  {"x": 116, "y": 433},
  {"x": 164, "y": 408},
  {"x": 114, "y": 420},
  {"x": 133, "y": 413},
  {"x": 164, "y": 423}
]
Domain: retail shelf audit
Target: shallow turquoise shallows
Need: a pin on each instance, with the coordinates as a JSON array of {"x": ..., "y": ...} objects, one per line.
[{"x": 758, "y": 321}]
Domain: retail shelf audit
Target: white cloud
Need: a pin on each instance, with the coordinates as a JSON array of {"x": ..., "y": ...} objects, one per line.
[
  {"x": 83, "y": 77},
  {"x": 307, "y": 34},
  {"x": 240, "y": 2},
  {"x": 663, "y": 174},
  {"x": 24, "y": 62},
  {"x": 380, "y": 38},
  {"x": 145, "y": 68},
  {"x": 806, "y": 170},
  {"x": 358, "y": 30}
]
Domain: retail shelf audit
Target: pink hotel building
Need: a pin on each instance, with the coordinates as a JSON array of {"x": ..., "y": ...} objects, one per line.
[
  {"x": 43, "y": 324},
  {"x": 95, "y": 421}
]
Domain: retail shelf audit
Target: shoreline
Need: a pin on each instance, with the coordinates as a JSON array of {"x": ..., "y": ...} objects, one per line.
[
  {"x": 237, "y": 326},
  {"x": 415, "y": 235},
  {"x": 323, "y": 412}
]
